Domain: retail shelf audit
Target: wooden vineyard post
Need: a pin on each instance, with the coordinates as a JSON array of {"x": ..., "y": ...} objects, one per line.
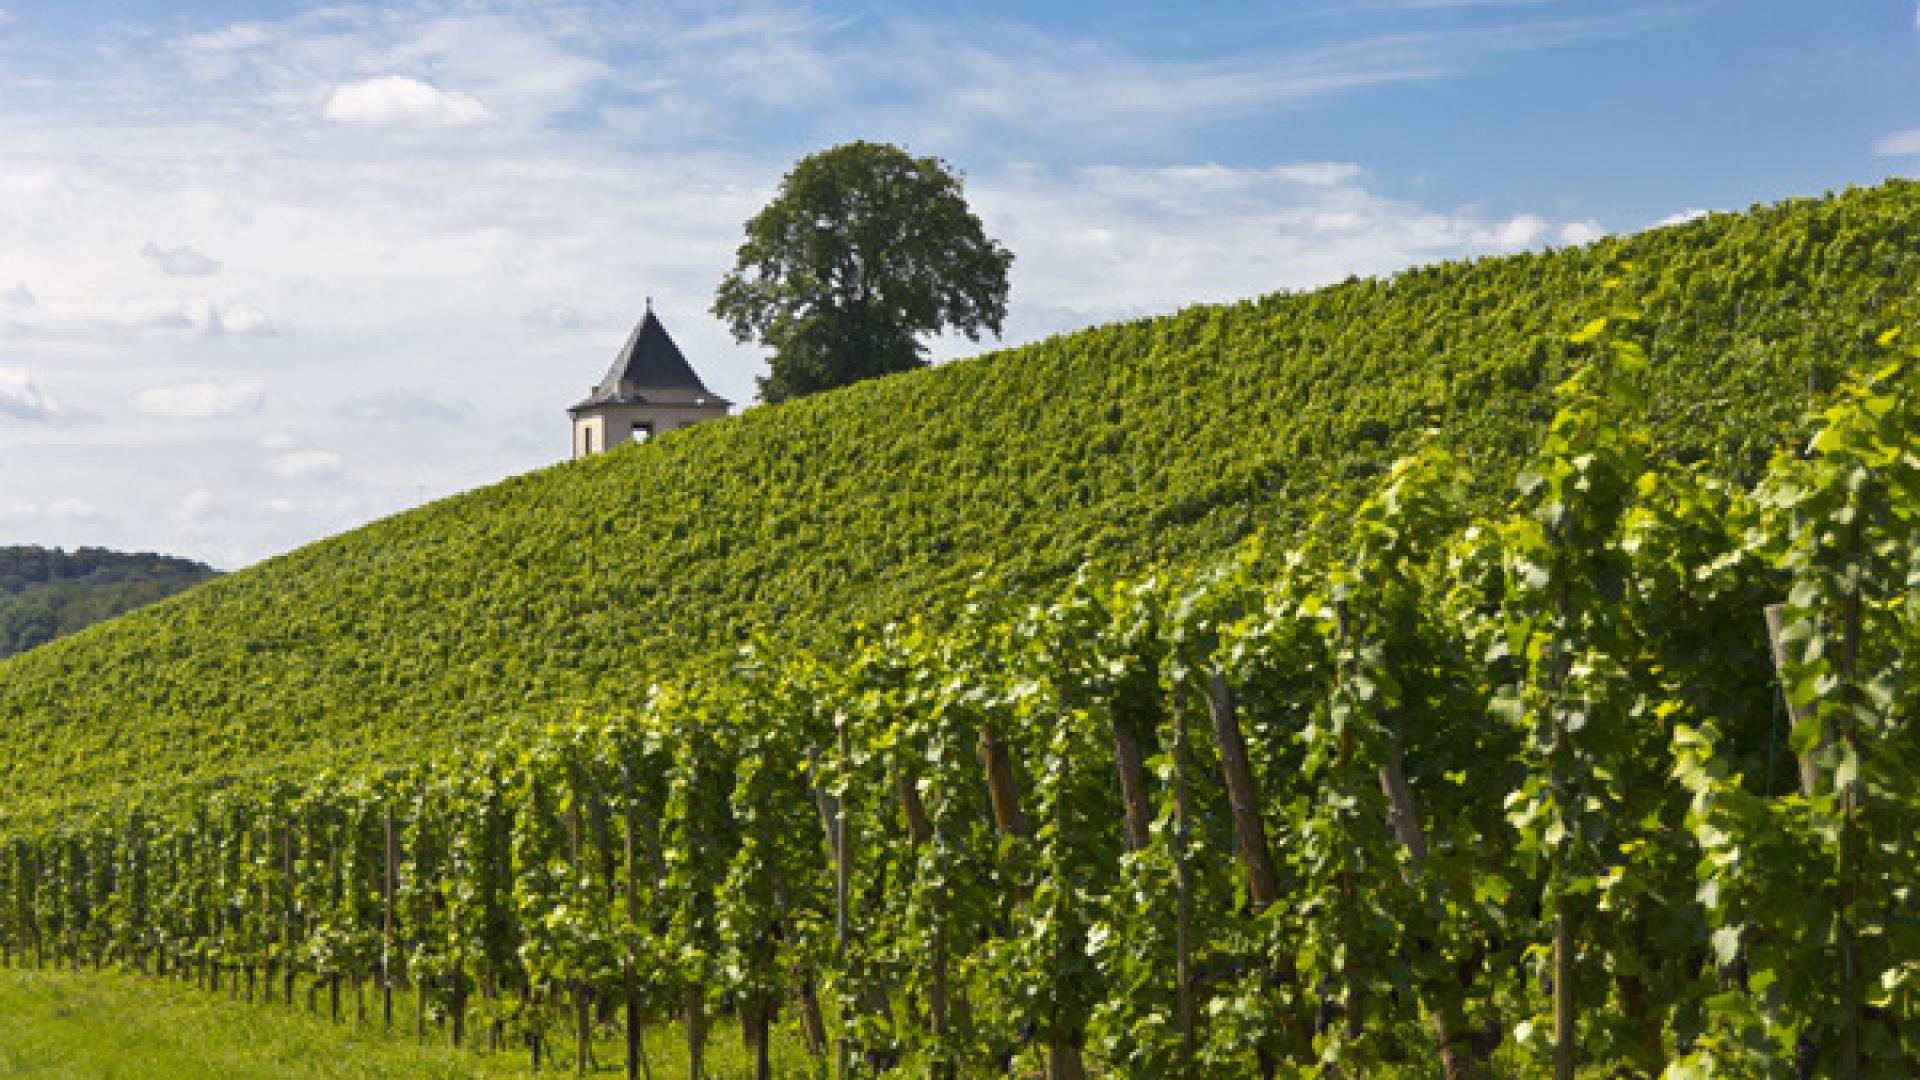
[
  {"x": 1776, "y": 617},
  {"x": 1063, "y": 1054},
  {"x": 1565, "y": 1016},
  {"x": 289, "y": 973},
  {"x": 813, "y": 1027},
  {"x": 920, "y": 832},
  {"x": 696, "y": 1020},
  {"x": 1183, "y": 898},
  {"x": 843, "y": 884},
  {"x": 1403, "y": 821},
  {"x": 582, "y": 1005},
  {"x": 631, "y": 989},
  {"x": 387, "y": 888},
  {"x": 833, "y": 821},
  {"x": 1063, "y": 1058},
  {"x": 1001, "y": 791},
  {"x": 811, "y": 1014},
  {"x": 1403, "y": 818},
  {"x": 827, "y": 805},
  {"x": 1243, "y": 798},
  {"x": 1129, "y": 763},
  {"x": 1249, "y": 829}
]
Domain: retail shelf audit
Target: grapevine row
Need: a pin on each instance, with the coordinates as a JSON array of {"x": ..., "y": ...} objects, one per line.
[{"x": 1525, "y": 794}]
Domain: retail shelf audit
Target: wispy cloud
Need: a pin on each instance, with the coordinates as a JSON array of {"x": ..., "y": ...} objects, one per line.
[
  {"x": 230, "y": 38},
  {"x": 1898, "y": 144},
  {"x": 182, "y": 261},
  {"x": 962, "y": 86},
  {"x": 201, "y": 400},
  {"x": 1109, "y": 242},
  {"x": 452, "y": 210},
  {"x": 22, "y": 399},
  {"x": 306, "y": 465},
  {"x": 402, "y": 407}
]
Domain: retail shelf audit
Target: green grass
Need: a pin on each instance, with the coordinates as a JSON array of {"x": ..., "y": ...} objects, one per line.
[{"x": 110, "y": 1025}]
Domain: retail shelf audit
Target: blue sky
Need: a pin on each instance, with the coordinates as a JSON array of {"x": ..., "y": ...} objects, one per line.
[{"x": 269, "y": 270}]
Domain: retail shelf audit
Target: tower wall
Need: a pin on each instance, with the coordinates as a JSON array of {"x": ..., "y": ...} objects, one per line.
[{"x": 612, "y": 425}]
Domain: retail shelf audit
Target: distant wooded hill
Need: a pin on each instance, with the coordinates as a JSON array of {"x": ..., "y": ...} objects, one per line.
[{"x": 47, "y": 593}]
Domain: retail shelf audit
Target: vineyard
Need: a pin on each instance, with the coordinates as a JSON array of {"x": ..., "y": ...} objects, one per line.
[
  {"x": 1615, "y": 779},
  {"x": 1161, "y": 442}
]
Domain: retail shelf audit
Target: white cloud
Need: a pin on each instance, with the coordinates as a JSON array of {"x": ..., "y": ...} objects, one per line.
[
  {"x": 240, "y": 317},
  {"x": 488, "y": 277},
  {"x": 199, "y": 507},
  {"x": 1898, "y": 144},
  {"x": 1581, "y": 232},
  {"x": 1681, "y": 217},
  {"x": 400, "y": 100},
  {"x": 1106, "y": 243},
  {"x": 306, "y": 465},
  {"x": 201, "y": 400},
  {"x": 1522, "y": 230},
  {"x": 73, "y": 509},
  {"x": 182, "y": 261},
  {"x": 20, "y": 399},
  {"x": 19, "y": 296}
]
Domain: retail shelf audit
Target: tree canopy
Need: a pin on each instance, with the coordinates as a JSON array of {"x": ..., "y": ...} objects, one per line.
[{"x": 864, "y": 251}]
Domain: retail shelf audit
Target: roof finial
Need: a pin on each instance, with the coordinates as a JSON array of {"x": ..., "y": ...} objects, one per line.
[{"x": 649, "y": 305}]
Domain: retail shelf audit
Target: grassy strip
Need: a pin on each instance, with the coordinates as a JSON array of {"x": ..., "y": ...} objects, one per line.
[{"x": 105, "y": 1025}]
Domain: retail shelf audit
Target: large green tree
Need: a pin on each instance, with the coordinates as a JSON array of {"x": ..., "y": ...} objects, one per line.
[{"x": 864, "y": 251}]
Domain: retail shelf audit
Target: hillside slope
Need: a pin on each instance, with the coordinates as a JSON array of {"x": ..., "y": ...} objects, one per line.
[
  {"x": 1165, "y": 438},
  {"x": 47, "y": 593}
]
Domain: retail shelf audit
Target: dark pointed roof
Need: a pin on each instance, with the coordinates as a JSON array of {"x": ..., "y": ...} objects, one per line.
[{"x": 650, "y": 369}]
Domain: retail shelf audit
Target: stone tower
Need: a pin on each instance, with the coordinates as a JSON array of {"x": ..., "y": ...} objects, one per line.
[{"x": 649, "y": 390}]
